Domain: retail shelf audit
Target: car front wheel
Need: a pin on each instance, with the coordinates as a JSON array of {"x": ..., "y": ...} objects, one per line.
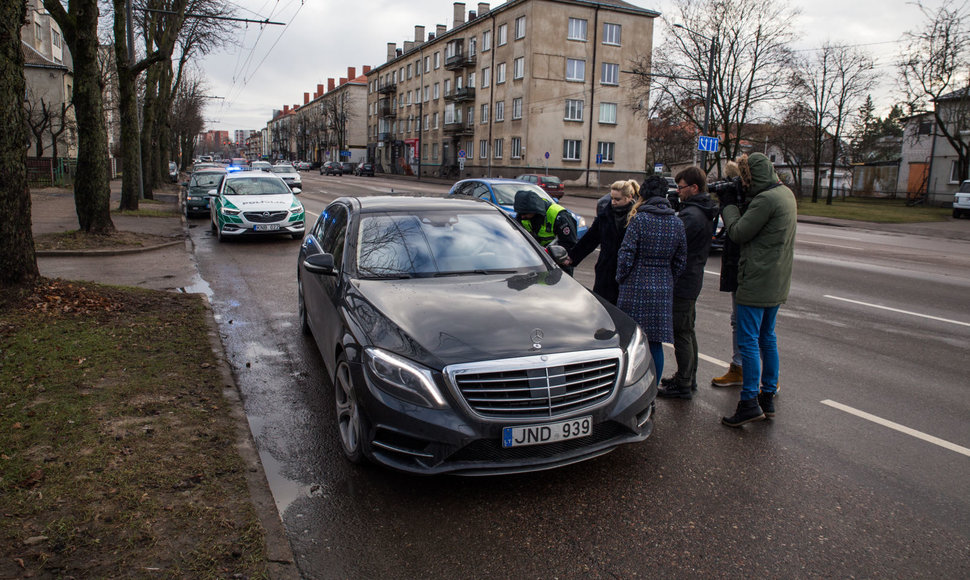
[{"x": 350, "y": 422}]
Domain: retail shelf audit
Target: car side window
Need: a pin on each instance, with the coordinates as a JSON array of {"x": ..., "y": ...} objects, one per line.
[
  {"x": 334, "y": 234},
  {"x": 481, "y": 192}
]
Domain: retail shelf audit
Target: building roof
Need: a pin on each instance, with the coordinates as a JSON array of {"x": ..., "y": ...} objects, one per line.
[{"x": 33, "y": 58}]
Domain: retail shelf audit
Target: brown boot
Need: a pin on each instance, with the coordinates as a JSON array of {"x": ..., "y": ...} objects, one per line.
[{"x": 732, "y": 378}]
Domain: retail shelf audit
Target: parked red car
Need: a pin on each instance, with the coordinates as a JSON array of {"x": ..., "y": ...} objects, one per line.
[{"x": 549, "y": 183}]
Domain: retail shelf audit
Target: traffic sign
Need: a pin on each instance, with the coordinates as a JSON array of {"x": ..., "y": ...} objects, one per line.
[
  {"x": 461, "y": 153},
  {"x": 599, "y": 159},
  {"x": 658, "y": 168},
  {"x": 547, "y": 155},
  {"x": 709, "y": 144}
]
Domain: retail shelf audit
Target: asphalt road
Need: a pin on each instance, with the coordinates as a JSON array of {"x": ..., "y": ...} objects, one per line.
[{"x": 864, "y": 472}]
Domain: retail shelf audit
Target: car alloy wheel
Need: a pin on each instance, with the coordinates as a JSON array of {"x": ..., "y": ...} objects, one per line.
[{"x": 350, "y": 423}]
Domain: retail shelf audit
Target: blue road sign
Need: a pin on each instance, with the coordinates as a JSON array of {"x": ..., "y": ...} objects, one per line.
[
  {"x": 461, "y": 153},
  {"x": 599, "y": 159},
  {"x": 547, "y": 155},
  {"x": 709, "y": 144}
]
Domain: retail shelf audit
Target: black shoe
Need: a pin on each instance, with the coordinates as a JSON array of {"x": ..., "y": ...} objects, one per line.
[
  {"x": 668, "y": 382},
  {"x": 767, "y": 403},
  {"x": 675, "y": 391},
  {"x": 747, "y": 412},
  {"x": 693, "y": 387}
]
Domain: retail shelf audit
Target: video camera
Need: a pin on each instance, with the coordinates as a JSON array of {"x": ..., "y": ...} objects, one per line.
[{"x": 729, "y": 185}]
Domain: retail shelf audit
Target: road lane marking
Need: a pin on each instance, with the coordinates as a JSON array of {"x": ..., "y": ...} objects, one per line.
[
  {"x": 839, "y": 246},
  {"x": 937, "y": 318},
  {"x": 896, "y": 426}
]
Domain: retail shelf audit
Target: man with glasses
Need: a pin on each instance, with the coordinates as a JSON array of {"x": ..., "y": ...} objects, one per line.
[{"x": 697, "y": 211}]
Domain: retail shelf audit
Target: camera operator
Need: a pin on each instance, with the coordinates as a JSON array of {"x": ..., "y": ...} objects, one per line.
[
  {"x": 766, "y": 236},
  {"x": 730, "y": 255}
]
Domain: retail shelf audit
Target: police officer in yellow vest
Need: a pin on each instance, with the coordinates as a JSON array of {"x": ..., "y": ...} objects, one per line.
[{"x": 547, "y": 222}]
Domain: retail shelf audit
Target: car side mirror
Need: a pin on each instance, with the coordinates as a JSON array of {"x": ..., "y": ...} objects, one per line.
[
  {"x": 296, "y": 190},
  {"x": 212, "y": 193},
  {"x": 558, "y": 254},
  {"x": 319, "y": 264}
]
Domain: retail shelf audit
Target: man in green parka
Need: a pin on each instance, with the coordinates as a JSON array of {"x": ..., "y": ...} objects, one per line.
[{"x": 765, "y": 232}]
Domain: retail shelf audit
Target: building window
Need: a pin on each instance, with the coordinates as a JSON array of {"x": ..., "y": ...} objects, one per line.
[
  {"x": 434, "y": 120},
  {"x": 471, "y": 80},
  {"x": 515, "y": 148},
  {"x": 427, "y": 93},
  {"x": 409, "y": 72},
  {"x": 55, "y": 38},
  {"x": 575, "y": 69},
  {"x": 577, "y": 29},
  {"x": 497, "y": 149},
  {"x": 606, "y": 149},
  {"x": 520, "y": 27},
  {"x": 499, "y": 111},
  {"x": 485, "y": 113},
  {"x": 503, "y": 34},
  {"x": 955, "y": 176},
  {"x": 574, "y": 110},
  {"x": 437, "y": 60},
  {"x": 434, "y": 151},
  {"x": 500, "y": 73},
  {"x": 611, "y": 74},
  {"x": 486, "y": 40},
  {"x": 427, "y": 67},
  {"x": 447, "y": 87},
  {"x": 486, "y": 77},
  {"x": 571, "y": 149},
  {"x": 424, "y": 151},
  {"x": 483, "y": 149},
  {"x": 611, "y": 33},
  {"x": 427, "y": 125},
  {"x": 471, "y": 118},
  {"x": 608, "y": 113},
  {"x": 517, "y": 108},
  {"x": 417, "y": 67},
  {"x": 518, "y": 68}
]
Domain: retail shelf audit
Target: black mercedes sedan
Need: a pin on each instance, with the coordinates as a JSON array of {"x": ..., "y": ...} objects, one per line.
[{"x": 456, "y": 345}]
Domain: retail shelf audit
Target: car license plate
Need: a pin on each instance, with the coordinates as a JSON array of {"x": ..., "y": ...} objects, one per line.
[
  {"x": 547, "y": 432},
  {"x": 265, "y": 227}
]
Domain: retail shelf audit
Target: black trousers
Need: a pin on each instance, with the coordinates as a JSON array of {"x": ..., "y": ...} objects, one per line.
[{"x": 685, "y": 341}]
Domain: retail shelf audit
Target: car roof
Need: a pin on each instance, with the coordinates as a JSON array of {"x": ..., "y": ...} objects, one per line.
[
  {"x": 257, "y": 174},
  {"x": 493, "y": 180},
  {"x": 209, "y": 170},
  {"x": 416, "y": 202}
]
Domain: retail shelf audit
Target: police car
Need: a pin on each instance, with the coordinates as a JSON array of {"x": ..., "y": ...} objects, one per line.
[{"x": 254, "y": 203}]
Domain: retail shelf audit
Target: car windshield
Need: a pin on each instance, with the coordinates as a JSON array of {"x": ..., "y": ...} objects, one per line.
[
  {"x": 402, "y": 245},
  {"x": 550, "y": 180},
  {"x": 209, "y": 180},
  {"x": 283, "y": 169},
  {"x": 965, "y": 187},
  {"x": 505, "y": 192},
  {"x": 256, "y": 186}
]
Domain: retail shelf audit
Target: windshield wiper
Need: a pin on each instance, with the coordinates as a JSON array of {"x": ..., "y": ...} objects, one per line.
[{"x": 482, "y": 271}]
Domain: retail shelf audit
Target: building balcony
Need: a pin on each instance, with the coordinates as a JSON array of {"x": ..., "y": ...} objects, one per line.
[
  {"x": 385, "y": 137},
  {"x": 388, "y": 88},
  {"x": 386, "y": 111},
  {"x": 460, "y": 60},
  {"x": 462, "y": 95},
  {"x": 459, "y": 129}
]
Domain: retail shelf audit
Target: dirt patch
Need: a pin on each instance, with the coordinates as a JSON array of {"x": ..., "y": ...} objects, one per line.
[{"x": 78, "y": 240}]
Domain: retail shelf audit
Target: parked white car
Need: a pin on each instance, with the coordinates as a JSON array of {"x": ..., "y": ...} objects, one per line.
[
  {"x": 961, "y": 201},
  {"x": 255, "y": 202},
  {"x": 290, "y": 175}
]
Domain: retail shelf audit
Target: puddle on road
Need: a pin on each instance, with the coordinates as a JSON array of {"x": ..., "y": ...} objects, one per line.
[
  {"x": 285, "y": 491},
  {"x": 198, "y": 286}
]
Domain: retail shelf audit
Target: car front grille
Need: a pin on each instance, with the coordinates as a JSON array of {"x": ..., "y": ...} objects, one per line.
[
  {"x": 264, "y": 217},
  {"x": 538, "y": 386}
]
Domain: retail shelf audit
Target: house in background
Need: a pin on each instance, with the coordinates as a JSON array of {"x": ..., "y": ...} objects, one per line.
[{"x": 929, "y": 163}]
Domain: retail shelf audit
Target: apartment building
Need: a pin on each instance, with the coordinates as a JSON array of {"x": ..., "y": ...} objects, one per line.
[{"x": 530, "y": 86}]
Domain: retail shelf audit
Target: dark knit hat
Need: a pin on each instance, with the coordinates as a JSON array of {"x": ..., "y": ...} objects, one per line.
[{"x": 653, "y": 186}]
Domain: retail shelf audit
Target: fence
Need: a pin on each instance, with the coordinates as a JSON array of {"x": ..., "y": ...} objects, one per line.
[{"x": 49, "y": 172}]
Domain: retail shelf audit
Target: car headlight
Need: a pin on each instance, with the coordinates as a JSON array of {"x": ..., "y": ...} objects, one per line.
[
  {"x": 403, "y": 379},
  {"x": 227, "y": 211},
  {"x": 637, "y": 358},
  {"x": 296, "y": 210}
]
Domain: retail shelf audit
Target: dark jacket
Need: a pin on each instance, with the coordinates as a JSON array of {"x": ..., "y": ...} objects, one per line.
[
  {"x": 563, "y": 226},
  {"x": 697, "y": 213},
  {"x": 652, "y": 256},
  {"x": 766, "y": 234},
  {"x": 607, "y": 234}
]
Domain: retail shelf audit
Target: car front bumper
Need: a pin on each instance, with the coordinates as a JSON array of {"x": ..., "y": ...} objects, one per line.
[{"x": 414, "y": 439}]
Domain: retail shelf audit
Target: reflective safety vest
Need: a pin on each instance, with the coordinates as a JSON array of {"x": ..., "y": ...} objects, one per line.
[{"x": 546, "y": 234}]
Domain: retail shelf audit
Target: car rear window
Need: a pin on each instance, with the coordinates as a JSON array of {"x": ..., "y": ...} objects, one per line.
[
  {"x": 550, "y": 180},
  {"x": 965, "y": 187}
]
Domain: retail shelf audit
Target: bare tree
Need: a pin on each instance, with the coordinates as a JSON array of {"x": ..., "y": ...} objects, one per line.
[
  {"x": 186, "y": 116},
  {"x": 794, "y": 135},
  {"x": 853, "y": 79},
  {"x": 38, "y": 118},
  {"x": 750, "y": 54},
  {"x": 18, "y": 262},
  {"x": 670, "y": 138},
  {"x": 934, "y": 75}
]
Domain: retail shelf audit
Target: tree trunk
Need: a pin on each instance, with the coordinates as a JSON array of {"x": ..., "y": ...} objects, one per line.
[
  {"x": 147, "y": 130},
  {"x": 127, "y": 112},
  {"x": 18, "y": 263}
]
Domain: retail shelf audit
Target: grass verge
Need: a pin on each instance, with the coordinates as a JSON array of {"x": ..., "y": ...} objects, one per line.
[
  {"x": 885, "y": 211},
  {"x": 117, "y": 450}
]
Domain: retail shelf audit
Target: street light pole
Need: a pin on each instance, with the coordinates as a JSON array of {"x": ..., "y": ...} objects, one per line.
[{"x": 710, "y": 86}]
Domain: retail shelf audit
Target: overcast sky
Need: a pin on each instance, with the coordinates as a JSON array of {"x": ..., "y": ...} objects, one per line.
[{"x": 275, "y": 65}]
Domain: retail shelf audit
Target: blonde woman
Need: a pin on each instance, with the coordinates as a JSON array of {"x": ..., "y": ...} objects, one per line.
[{"x": 612, "y": 214}]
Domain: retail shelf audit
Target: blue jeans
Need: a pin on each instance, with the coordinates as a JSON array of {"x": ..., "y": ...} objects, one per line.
[
  {"x": 735, "y": 352},
  {"x": 759, "y": 346},
  {"x": 657, "y": 352}
]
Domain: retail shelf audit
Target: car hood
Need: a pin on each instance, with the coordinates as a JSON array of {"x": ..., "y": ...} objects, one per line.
[
  {"x": 442, "y": 321},
  {"x": 275, "y": 202}
]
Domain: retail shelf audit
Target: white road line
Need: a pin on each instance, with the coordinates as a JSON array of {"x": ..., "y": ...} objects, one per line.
[
  {"x": 937, "y": 318},
  {"x": 901, "y": 428},
  {"x": 703, "y": 356},
  {"x": 840, "y": 246}
]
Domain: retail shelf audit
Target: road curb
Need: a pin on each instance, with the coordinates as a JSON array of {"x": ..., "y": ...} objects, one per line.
[{"x": 102, "y": 253}]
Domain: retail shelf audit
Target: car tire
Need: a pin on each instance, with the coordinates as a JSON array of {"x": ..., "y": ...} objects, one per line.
[
  {"x": 957, "y": 214},
  {"x": 301, "y": 308},
  {"x": 350, "y": 422}
]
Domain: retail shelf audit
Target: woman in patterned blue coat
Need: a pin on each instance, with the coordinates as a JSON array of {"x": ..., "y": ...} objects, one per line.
[{"x": 652, "y": 256}]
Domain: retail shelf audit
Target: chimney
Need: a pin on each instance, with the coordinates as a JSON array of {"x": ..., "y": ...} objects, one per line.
[
  {"x": 366, "y": 68},
  {"x": 391, "y": 51},
  {"x": 286, "y": 109},
  {"x": 471, "y": 15},
  {"x": 306, "y": 98},
  {"x": 482, "y": 8},
  {"x": 439, "y": 30},
  {"x": 430, "y": 36},
  {"x": 459, "y": 17},
  {"x": 331, "y": 84},
  {"x": 319, "y": 90},
  {"x": 408, "y": 46},
  {"x": 343, "y": 81},
  {"x": 351, "y": 72},
  {"x": 400, "y": 52},
  {"x": 418, "y": 34}
]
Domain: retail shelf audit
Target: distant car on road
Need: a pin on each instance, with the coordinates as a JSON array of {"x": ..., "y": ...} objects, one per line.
[
  {"x": 260, "y": 165},
  {"x": 173, "y": 171},
  {"x": 501, "y": 192},
  {"x": 347, "y": 167},
  {"x": 493, "y": 384},
  {"x": 331, "y": 168},
  {"x": 198, "y": 187},
  {"x": 364, "y": 169},
  {"x": 290, "y": 175},
  {"x": 961, "y": 201},
  {"x": 302, "y": 165},
  {"x": 549, "y": 183}
]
